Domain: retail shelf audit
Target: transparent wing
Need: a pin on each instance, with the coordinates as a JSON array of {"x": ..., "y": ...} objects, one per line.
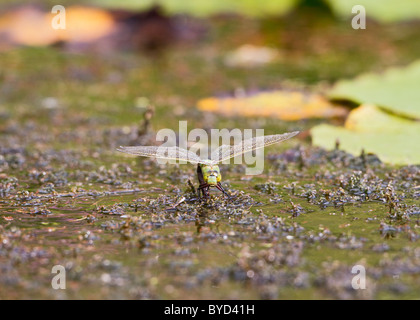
[
  {"x": 170, "y": 153},
  {"x": 226, "y": 152}
]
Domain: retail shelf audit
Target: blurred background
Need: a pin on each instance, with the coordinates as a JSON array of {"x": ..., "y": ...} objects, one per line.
[
  {"x": 76, "y": 84},
  {"x": 246, "y": 61}
]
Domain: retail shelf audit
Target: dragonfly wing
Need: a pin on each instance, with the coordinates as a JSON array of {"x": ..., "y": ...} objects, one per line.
[
  {"x": 170, "y": 153},
  {"x": 226, "y": 152}
]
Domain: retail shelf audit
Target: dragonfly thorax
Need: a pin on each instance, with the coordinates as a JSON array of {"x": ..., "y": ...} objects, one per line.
[{"x": 211, "y": 174}]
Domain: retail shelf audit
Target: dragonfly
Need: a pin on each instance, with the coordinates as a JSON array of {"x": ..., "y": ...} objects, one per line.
[{"x": 208, "y": 171}]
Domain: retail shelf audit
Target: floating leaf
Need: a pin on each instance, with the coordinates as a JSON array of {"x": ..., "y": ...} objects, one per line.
[
  {"x": 27, "y": 26},
  {"x": 206, "y": 7},
  {"x": 384, "y": 10},
  {"x": 394, "y": 139},
  {"x": 369, "y": 118},
  {"x": 33, "y": 27},
  {"x": 285, "y": 105},
  {"x": 85, "y": 24},
  {"x": 397, "y": 90}
]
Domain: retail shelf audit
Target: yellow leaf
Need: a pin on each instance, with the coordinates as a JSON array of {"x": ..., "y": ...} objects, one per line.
[
  {"x": 84, "y": 24},
  {"x": 28, "y": 26},
  {"x": 284, "y": 105},
  {"x": 33, "y": 27}
]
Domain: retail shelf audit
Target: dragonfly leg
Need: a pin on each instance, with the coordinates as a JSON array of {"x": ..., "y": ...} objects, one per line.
[
  {"x": 204, "y": 188},
  {"x": 219, "y": 186}
]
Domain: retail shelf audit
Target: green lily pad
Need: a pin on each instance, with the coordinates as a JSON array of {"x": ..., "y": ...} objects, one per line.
[
  {"x": 397, "y": 90},
  {"x": 383, "y": 11},
  {"x": 393, "y": 139},
  {"x": 206, "y": 7}
]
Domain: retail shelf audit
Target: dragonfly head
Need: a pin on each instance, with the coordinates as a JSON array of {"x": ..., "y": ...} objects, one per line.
[{"x": 211, "y": 174}]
